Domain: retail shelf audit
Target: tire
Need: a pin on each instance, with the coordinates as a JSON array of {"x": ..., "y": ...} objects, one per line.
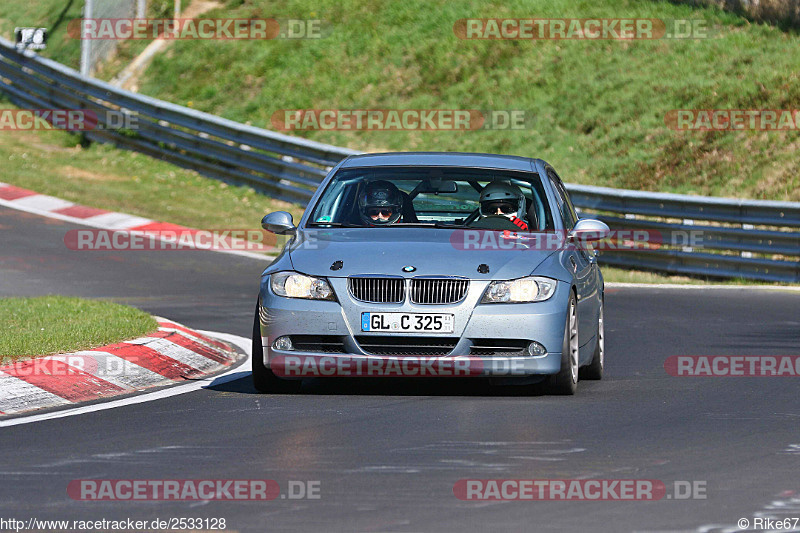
[
  {"x": 566, "y": 381},
  {"x": 594, "y": 370},
  {"x": 264, "y": 380}
]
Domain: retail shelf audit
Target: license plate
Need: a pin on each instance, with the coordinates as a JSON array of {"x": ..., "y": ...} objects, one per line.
[{"x": 413, "y": 322}]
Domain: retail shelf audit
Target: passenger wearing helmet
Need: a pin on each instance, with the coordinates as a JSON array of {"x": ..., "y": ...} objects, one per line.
[
  {"x": 504, "y": 199},
  {"x": 380, "y": 203}
]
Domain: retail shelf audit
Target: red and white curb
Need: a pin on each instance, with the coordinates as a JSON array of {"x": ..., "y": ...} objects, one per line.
[
  {"x": 49, "y": 206},
  {"x": 170, "y": 355}
]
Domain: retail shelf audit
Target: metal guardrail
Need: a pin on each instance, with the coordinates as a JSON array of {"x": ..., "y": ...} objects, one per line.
[
  {"x": 717, "y": 237},
  {"x": 754, "y": 212},
  {"x": 738, "y": 238}
]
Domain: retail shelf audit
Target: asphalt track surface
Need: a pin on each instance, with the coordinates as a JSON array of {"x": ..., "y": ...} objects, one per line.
[{"x": 387, "y": 453}]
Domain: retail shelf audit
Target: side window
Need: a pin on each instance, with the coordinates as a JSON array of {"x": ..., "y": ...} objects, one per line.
[
  {"x": 565, "y": 207},
  {"x": 539, "y": 208}
]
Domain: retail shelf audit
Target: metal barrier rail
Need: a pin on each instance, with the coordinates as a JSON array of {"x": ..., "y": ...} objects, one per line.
[
  {"x": 290, "y": 168},
  {"x": 726, "y": 232}
]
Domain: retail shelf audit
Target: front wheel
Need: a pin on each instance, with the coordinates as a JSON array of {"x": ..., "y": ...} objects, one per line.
[
  {"x": 264, "y": 380},
  {"x": 566, "y": 381}
]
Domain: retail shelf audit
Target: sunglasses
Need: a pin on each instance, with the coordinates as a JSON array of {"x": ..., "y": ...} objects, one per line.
[
  {"x": 504, "y": 207},
  {"x": 375, "y": 212}
]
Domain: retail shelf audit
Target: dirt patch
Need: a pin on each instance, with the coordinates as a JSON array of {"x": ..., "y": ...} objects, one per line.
[
  {"x": 33, "y": 139},
  {"x": 87, "y": 175}
]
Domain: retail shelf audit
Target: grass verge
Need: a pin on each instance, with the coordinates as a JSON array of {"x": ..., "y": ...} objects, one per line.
[
  {"x": 54, "y": 163},
  {"x": 619, "y": 275},
  {"x": 57, "y": 324}
]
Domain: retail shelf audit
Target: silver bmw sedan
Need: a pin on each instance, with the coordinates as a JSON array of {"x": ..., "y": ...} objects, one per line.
[{"x": 433, "y": 265}]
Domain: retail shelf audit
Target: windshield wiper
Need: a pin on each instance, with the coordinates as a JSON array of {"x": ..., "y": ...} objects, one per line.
[{"x": 448, "y": 225}]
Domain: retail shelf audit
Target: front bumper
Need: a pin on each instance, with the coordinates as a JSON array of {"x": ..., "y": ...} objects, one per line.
[{"x": 340, "y": 321}]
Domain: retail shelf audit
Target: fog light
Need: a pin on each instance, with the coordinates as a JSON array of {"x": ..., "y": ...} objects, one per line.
[
  {"x": 282, "y": 343},
  {"x": 535, "y": 348}
]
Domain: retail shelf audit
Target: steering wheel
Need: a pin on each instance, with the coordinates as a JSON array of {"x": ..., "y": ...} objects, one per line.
[{"x": 498, "y": 222}]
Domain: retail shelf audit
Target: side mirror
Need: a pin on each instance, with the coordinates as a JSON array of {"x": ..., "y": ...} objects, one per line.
[
  {"x": 589, "y": 229},
  {"x": 279, "y": 222}
]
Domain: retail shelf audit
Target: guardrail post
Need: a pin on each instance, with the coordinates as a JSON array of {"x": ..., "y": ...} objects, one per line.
[{"x": 86, "y": 44}]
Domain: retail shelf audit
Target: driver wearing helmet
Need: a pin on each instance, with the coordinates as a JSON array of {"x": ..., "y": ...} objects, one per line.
[
  {"x": 500, "y": 198},
  {"x": 380, "y": 203}
]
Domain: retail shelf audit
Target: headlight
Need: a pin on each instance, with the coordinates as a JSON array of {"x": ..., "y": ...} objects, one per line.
[
  {"x": 529, "y": 289},
  {"x": 296, "y": 285}
]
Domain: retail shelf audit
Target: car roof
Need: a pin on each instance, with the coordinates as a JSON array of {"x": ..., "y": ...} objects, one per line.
[{"x": 444, "y": 159}]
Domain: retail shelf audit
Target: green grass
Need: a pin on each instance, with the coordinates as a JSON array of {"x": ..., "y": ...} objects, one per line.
[
  {"x": 54, "y": 163},
  {"x": 619, "y": 275},
  {"x": 59, "y": 324},
  {"x": 55, "y": 15},
  {"x": 599, "y": 106}
]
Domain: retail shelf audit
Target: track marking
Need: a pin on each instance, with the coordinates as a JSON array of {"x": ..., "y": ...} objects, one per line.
[
  {"x": 73, "y": 384},
  {"x": 15, "y": 394},
  {"x": 52, "y": 207},
  {"x": 230, "y": 375},
  {"x": 109, "y": 367}
]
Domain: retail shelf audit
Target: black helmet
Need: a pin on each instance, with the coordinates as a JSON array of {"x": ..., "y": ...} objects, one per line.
[{"x": 380, "y": 198}]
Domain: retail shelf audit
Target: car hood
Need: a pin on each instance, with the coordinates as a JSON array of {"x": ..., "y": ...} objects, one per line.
[{"x": 430, "y": 251}]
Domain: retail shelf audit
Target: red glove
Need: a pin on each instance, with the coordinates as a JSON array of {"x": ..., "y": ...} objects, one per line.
[{"x": 519, "y": 223}]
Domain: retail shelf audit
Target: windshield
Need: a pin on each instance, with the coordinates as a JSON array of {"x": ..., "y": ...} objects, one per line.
[{"x": 433, "y": 197}]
